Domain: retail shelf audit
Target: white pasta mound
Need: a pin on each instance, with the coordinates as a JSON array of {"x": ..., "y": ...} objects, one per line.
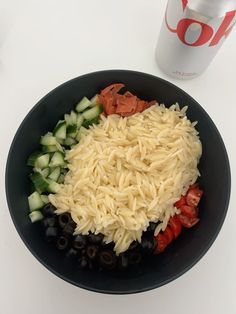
[{"x": 126, "y": 172}]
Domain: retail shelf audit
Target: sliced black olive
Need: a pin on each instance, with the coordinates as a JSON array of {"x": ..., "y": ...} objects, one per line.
[
  {"x": 48, "y": 210},
  {"x": 64, "y": 219},
  {"x": 72, "y": 253},
  {"x": 152, "y": 227},
  {"x": 107, "y": 259},
  {"x": 62, "y": 243},
  {"x": 133, "y": 245},
  {"x": 79, "y": 242},
  {"x": 148, "y": 244},
  {"x": 51, "y": 233},
  {"x": 92, "y": 251},
  {"x": 108, "y": 246},
  {"x": 123, "y": 261},
  {"x": 49, "y": 221},
  {"x": 135, "y": 257},
  {"x": 83, "y": 263},
  {"x": 96, "y": 238},
  {"x": 69, "y": 228}
]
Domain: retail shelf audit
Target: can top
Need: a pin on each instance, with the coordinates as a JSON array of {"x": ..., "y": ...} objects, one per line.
[{"x": 213, "y": 7}]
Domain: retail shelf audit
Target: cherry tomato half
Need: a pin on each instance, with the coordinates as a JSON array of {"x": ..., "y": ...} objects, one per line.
[
  {"x": 168, "y": 233},
  {"x": 162, "y": 243},
  {"x": 175, "y": 225},
  {"x": 180, "y": 202},
  {"x": 193, "y": 196},
  {"x": 189, "y": 211},
  {"x": 188, "y": 222}
]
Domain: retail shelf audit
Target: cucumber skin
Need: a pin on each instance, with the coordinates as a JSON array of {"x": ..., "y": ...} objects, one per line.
[
  {"x": 49, "y": 149},
  {"x": 33, "y": 157},
  {"x": 87, "y": 123},
  {"x": 40, "y": 183}
]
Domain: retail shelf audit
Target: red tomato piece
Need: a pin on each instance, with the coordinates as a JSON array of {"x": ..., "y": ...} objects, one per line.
[
  {"x": 188, "y": 222},
  {"x": 113, "y": 88},
  {"x": 140, "y": 105},
  {"x": 162, "y": 243},
  {"x": 168, "y": 233},
  {"x": 189, "y": 211},
  {"x": 128, "y": 94},
  {"x": 175, "y": 226},
  {"x": 180, "y": 202},
  {"x": 152, "y": 102},
  {"x": 107, "y": 103},
  {"x": 125, "y": 105},
  {"x": 193, "y": 196}
]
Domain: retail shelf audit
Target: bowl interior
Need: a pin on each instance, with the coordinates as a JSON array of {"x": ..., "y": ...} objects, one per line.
[{"x": 186, "y": 250}]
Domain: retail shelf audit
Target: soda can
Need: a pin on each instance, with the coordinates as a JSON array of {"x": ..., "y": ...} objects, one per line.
[{"x": 191, "y": 35}]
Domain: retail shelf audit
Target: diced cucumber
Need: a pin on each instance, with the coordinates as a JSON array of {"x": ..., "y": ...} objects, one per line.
[
  {"x": 42, "y": 161},
  {"x": 71, "y": 130},
  {"x": 60, "y": 130},
  {"x": 57, "y": 160},
  {"x": 35, "y": 201},
  {"x": 60, "y": 141},
  {"x": 53, "y": 186},
  {"x": 94, "y": 100},
  {"x": 80, "y": 120},
  {"x": 59, "y": 147},
  {"x": 70, "y": 141},
  {"x": 61, "y": 178},
  {"x": 54, "y": 175},
  {"x": 40, "y": 183},
  {"x": 64, "y": 171},
  {"x": 67, "y": 118},
  {"x": 35, "y": 216},
  {"x": 48, "y": 139},
  {"x": 83, "y": 104},
  {"x": 33, "y": 157},
  {"x": 73, "y": 117},
  {"x": 87, "y": 123},
  {"x": 93, "y": 112},
  {"x": 49, "y": 149},
  {"x": 81, "y": 131},
  {"x": 44, "y": 172},
  {"x": 45, "y": 199}
]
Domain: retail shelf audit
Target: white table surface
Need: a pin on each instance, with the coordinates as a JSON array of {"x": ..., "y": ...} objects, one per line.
[{"x": 45, "y": 43}]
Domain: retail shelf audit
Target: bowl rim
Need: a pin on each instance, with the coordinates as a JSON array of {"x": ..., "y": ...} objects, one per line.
[{"x": 202, "y": 252}]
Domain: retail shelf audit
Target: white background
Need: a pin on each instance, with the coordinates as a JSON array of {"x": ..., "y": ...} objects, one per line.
[{"x": 44, "y": 43}]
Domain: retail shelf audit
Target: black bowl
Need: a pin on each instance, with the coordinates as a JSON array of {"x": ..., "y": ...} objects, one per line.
[{"x": 189, "y": 247}]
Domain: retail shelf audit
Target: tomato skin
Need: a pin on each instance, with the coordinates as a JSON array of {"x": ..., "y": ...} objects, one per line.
[
  {"x": 168, "y": 233},
  {"x": 188, "y": 222},
  {"x": 162, "y": 243},
  {"x": 175, "y": 226},
  {"x": 189, "y": 211},
  {"x": 180, "y": 202},
  {"x": 193, "y": 196},
  {"x": 112, "y": 89}
]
